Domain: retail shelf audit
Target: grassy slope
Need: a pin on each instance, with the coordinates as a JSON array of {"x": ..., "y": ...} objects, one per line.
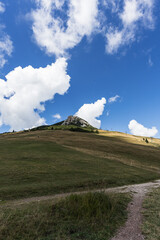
[
  {"x": 47, "y": 162},
  {"x": 90, "y": 216},
  {"x": 151, "y": 224}
]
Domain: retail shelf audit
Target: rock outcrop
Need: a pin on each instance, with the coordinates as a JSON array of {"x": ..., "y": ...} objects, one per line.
[{"x": 77, "y": 121}]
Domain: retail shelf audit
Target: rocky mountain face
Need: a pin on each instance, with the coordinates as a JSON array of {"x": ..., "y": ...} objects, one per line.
[{"x": 74, "y": 120}]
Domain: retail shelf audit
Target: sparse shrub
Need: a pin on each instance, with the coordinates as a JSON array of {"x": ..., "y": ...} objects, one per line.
[{"x": 146, "y": 140}]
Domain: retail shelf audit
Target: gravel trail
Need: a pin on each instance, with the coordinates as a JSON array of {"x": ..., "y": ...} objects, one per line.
[
  {"x": 132, "y": 228},
  {"x": 136, "y": 188}
]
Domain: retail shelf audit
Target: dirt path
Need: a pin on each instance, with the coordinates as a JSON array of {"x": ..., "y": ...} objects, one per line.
[
  {"x": 138, "y": 190},
  {"x": 132, "y": 228}
]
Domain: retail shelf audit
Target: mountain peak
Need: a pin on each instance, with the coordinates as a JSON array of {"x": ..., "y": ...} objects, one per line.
[{"x": 74, "y": 120}]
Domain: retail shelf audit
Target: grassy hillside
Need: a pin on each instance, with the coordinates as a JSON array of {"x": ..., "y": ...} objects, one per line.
[{"x": 46, "y": 162}]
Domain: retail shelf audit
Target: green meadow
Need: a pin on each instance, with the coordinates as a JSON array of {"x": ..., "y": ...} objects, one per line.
[{"x": 46, "y": 162}]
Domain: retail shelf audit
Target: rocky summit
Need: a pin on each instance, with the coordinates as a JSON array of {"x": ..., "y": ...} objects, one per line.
[{"x": 74, "y": 120}]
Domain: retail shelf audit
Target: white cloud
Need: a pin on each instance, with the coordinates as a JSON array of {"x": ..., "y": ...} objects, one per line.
[
  {"x": 138, "y": 10},
  {"x": 132, "y": 12},
  {"x": 138, "y": 129},
  {"x": 56, "y": 30},
  {"x": 6, "y": 48},
  {"x": 25, "y": 90},
  {"x": 2, "y": 7},
  {"x": 6, "y": 45},
  {"x": 150, "y": 62},
  {"x": 57, "y": 116},
  {"x": 54, "y": 34},
  {"x": 90, "y": 112},
  {"x": 135, "y": 14},
  {"x": 113, "y": 99},
  {"x": 116, "y": 39}
]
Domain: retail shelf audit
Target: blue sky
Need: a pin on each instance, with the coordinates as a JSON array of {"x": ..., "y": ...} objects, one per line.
[{"x": 97, "y": 59}]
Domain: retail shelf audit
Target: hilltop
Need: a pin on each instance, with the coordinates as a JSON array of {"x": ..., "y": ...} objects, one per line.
[
  {"x": 72, "y": 123},
  {"x": 76, "y": 121}
]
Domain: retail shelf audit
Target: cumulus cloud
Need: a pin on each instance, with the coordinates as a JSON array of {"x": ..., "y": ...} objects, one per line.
[
  {"x": 57, "y": 116},
  {"x": 90, "y": 112},
  {"x": 135, "y": 14},
  {"x": 113, "y": 99},
  {"x": 138, "y": 129},
  {"x": 25, "y": 90},
  {"x": 56, "y": 33}
]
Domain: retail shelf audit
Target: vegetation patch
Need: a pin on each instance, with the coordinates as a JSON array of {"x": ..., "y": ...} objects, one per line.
[
  {"x": 151, "y": 224},
  {"x": 88, "y": 129},
  {"x": 91, "y": 216}
]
